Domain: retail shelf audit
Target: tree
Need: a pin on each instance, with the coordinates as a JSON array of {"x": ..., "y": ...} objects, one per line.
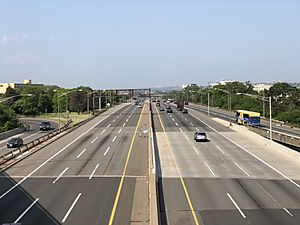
[{"x": 8, "y": 118}]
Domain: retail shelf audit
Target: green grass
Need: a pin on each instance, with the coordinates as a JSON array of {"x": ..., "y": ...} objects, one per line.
[{"x": 63, "y": 117}]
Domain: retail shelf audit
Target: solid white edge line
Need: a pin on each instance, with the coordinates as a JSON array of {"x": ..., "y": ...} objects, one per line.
[
  {"x": 212, "y": 172},
  {"x": 81, "y": 153},
  {"x": 21, "y": 216},
  {"x": 236, "y": 206},
  {"x": 92, "y": 174},
  {"x": 106, "y": 150},
  {"x": 241, "y": 169},
  {"x": 59, "y": 176},
  {"x": 113, "y": 140},
  {"x": 53, "y": 156},
  {"x": 267, "y": 164},
  {"x": 70, "y": 209},
  {"x": 288, "y": 212}
]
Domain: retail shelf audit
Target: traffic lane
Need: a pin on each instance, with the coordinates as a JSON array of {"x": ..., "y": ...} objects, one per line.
[
  {"x": 55, "y": 201},
  {"x": 116, "y": 115},
  {"x": 93, "y": 178},
  {"x": 27, "y": 136},
  {"x": 92, "y": 149},
  {"x": 276, "y": 127},
  {"x": 240, "y": 201},
  {"x": 59, "y": 146}
]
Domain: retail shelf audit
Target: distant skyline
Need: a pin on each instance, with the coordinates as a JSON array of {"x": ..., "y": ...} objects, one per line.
[{"x": 140, "y": 44}]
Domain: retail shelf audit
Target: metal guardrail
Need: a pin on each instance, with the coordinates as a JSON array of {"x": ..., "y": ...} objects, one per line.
[{"x": 16, "y": 152}]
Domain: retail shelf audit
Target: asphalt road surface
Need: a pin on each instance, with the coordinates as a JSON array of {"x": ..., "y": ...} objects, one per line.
[
  {"x": 224, "y": 115},
  {"x": 29, "y": 135},
  {"x": 226, "y": 181},
  {"x": 97, "y": 174}
]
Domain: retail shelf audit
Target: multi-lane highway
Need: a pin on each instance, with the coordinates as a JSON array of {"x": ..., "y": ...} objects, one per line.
[
  {"x": 97, "y": 174},
  {"x": 224, "y": 115},
  {"x": 230, "y": 180},
  {"x": 28, "y": 136}
]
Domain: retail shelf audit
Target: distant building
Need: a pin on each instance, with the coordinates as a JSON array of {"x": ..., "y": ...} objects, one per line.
[
  {"x": 261, "y": 87},
  {"x": 4, "y": 86},
  {"x": 222, "y": 82}
]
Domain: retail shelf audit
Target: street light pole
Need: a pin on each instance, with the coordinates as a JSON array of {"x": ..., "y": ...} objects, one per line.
[{"x": 270, "y": 105}]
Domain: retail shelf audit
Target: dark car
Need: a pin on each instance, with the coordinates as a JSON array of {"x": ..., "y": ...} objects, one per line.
[
  {"x": 200, "y": 136},
  {"x": 161, "y": 109},
  {"x": 15, "y": 142},
  {"x": 184, "y": 110},
  {"x": 45, "y": 125},
  {"x": 169, "y": 110}
]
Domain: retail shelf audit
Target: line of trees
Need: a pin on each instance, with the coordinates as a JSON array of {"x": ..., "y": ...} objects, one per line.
[
  {"x": 285, "y": 99},
  {"x": 43, "y": 99}
]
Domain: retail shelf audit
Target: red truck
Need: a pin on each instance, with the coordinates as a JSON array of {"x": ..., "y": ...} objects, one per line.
[{"x": 180, "y": 105}]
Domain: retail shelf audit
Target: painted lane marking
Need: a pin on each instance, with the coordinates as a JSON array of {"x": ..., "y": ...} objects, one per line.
[
  {"x": 197, "y": 129},
  {"x": 173, "y": 119},
  {"x": 176, "y": 124},
  {"x": 113, "y": 120},
  {"x": 236, "y": 206},
  {"x": 94, "y": 140},
  {"x": 126, "y": 120},
  {"x": 106, "y": 150},
  {"x": 102, "y": 132},
  {"x": 212, "y": 172},
  {"x": 21, "y": 216},
  {"x": 120, "y": 130},
  {"x": 81, "y": 153},
  {"x": 70, "y": 209},
  {"x": 180, "y": 130},
  {"x": 196, "y": 150},
  {"x": 59, "y": 176},
  {"x": 108, "y": 125},
  {"x": 288, "y": 212},
  {"x": 92, "y": 174},
  {"x": 258, "y": 158},
  {"x": 187, "y": 137},
  {"x": 192, "y": 124},
  {"x": 186, "y": 119},
  {"x": 113, "y": 140},
  {"x": 124, "y": 124},
  {"x": 53, "y": 156},
  {"x": 220, "y": 149},
  {"x": 242, "y": 169}
]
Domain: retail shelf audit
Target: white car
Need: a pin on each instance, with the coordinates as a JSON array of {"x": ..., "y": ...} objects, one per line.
[{"x": 200, "y": 136}]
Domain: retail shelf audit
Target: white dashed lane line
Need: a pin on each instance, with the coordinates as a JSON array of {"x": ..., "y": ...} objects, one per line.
[
  {"x": 106, "y": 151},
  {"x": 59, "y": 176},
  {"x": 113, "y": 140},
  {"x": 94, "y": 140},
  {"x": 81, "y": 153},
  {"x": 120, "y": 130},
  {"x": 102, "y": 131},
  {"x": 92, "y": 174}
]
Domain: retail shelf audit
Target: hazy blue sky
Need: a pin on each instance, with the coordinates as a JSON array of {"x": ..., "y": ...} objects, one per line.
[{"x": 122, "y": 44}]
